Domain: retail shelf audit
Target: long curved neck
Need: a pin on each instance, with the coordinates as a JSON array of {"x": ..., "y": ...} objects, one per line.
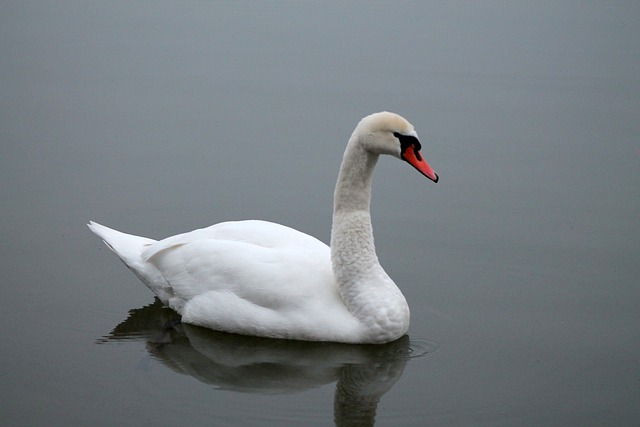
[
  {"x": 353, "y": 253},
  {"x": 367, "y": 291},
  {"x": 353, "y": 189}
]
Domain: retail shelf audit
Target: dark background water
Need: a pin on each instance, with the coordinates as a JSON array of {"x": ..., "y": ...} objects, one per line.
[{"x": 520, "y": 265}]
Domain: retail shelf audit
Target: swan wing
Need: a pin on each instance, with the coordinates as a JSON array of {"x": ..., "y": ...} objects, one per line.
[
  {"x": 262, "y": 263},
  {"x": 254, "y": 232}
]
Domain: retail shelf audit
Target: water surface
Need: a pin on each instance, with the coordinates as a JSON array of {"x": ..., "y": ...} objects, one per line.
[{"x": 155, "y": 118}]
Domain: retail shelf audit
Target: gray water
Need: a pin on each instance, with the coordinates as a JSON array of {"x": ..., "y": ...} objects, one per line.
[{"x": 520, "y": 266}]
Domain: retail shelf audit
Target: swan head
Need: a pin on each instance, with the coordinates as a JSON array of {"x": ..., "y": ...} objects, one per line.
[{"x": 392, "y": 134}]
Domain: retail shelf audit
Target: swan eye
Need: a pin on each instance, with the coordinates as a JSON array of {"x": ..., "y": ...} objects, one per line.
[{"x": 407, "y": 141}]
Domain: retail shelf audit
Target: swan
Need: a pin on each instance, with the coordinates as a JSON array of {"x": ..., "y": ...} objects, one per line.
[{"x": 265, "y": 279}]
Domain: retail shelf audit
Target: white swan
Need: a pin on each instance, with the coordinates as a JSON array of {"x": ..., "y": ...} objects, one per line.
[{"x": 265, "y": 279}]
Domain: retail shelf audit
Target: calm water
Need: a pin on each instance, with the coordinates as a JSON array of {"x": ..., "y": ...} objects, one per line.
[{"x": 520, "y": 265}]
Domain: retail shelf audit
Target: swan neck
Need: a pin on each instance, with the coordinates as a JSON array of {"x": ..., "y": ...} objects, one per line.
[
  {"x": 353, "y": 252},
  {"x": 366, "y": 289},
  {"x": 353, "y": 188}
]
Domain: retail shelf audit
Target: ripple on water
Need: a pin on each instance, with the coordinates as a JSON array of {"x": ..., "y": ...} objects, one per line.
[{"x": 418, "y": 348}]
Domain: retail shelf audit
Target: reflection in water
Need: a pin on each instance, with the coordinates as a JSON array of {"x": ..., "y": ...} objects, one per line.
[{"x": 269, "y": 366}]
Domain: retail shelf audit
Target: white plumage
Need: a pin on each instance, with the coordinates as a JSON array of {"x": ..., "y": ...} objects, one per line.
[{"x": 265, "y": 279}]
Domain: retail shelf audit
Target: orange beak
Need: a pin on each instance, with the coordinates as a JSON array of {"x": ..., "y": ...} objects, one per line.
[{"x": 412, "y": 156}]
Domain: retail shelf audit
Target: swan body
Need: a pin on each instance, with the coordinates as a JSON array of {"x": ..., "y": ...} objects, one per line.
[{"x": 265, "y": 279}]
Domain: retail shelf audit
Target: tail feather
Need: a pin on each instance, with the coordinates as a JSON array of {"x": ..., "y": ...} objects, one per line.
[{"x": 129, "y": 249}]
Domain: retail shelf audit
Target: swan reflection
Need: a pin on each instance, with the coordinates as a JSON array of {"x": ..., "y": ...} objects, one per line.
[{"x": 269, "y": 366}]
